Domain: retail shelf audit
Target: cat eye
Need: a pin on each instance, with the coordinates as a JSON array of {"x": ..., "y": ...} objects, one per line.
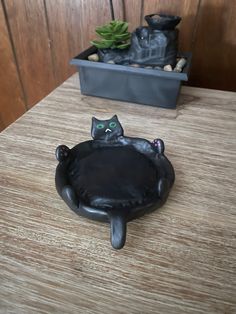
[
  {"x": 100, "y": 126},
  {"x": 112, "y": 125}
]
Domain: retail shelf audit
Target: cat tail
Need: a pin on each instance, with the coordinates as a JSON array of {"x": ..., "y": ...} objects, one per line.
[{"x": 118, "y": 228}]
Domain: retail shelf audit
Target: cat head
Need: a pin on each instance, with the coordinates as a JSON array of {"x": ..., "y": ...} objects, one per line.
[{"x": 106, "y": 129}]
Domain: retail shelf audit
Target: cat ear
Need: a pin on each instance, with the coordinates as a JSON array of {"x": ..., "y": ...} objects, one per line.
[
  {"x": 93, "y": 127},
  {"x": 114, "y": 117},
  {"x": 94, "y": 120}
]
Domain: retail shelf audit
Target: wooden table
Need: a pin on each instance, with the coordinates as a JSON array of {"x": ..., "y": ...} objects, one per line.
[{"x": 179, "y": 259}]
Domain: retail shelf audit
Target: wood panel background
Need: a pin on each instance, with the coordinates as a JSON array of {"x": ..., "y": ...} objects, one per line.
[
  {"x": 12, "y": 100},
  {"x": 28, "y": 26},
  {"x": 214, "y": 49},
  {"x": 39, "y": 37},
  {"x": 66, "y": 20}
]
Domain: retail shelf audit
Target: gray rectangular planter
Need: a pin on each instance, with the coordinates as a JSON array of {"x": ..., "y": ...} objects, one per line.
[{"x": 121, "y": 82}]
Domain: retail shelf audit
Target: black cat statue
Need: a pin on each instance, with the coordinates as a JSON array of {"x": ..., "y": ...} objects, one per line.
[{"x": 113, "y": 178}]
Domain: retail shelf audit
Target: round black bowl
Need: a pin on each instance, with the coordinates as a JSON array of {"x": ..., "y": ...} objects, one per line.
[
  {"x": 162, "y": 21},
  {"x": 114, "y": 180}
]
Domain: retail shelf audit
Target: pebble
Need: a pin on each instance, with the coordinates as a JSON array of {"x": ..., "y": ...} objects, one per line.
[
  {"x": 94, "y": 57},
  {"x": 148, "y": 67},
  {"x": 168, "y": 68},
  {"x": 135, "y": 65},
  {"x": 111, "y": 62},
  {"x": 177, "y": 70},
  {"x": 180, "y": 64},
  {"x": 157, "y": 68}
]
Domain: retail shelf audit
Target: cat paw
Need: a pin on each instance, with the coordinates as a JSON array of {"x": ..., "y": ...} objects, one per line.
[
  {"x": 69, "y": 196},
  {"x": 158, "y": 146},
  {"x": 163, "y": 188},
  {"x": 62, "y": 152}
]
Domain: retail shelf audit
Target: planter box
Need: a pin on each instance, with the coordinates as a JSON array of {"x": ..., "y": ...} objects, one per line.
[{"x": 139, "y": 85}]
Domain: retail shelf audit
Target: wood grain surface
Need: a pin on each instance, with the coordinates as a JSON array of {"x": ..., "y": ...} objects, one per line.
[
  {"x": 179, "y": 259},
  {"x": 29, "y": 30},
  {"x": 214, "y": 62},
  {"x": 12, "y": 101},
  {"x": 118, "y": 9},
  {"x": 133, "y": 13}
]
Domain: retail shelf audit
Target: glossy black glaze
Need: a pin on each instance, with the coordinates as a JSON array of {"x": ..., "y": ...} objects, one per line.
[
  {"x": 155, "y": 45},
  {"x": 162, "y": 21},
  {"x": 93, "y": 177}
]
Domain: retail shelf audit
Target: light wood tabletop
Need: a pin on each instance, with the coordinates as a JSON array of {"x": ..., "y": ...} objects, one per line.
[{"x": 179, "y": 259}]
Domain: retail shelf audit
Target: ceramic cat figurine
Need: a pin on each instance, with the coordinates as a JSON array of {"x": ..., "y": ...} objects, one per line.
[
  {"x": 113, "y": 177},
  {"x": 106, "y": 130}
]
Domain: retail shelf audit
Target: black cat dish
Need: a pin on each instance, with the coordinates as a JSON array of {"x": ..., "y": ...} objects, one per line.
[{"x": 113, "y": 178}]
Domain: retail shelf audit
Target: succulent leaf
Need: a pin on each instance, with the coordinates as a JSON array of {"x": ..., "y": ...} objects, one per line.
[
  {"x": 123, "y": 46},
  {"x": 104, "y": 35},
  {"x": 114, "y": 35},
  {"x": 102, "y": 44},
  {"x": 125, "y": 36}
]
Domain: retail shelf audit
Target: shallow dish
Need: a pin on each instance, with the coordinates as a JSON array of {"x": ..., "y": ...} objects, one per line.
[{"x": 113, "y": 178}]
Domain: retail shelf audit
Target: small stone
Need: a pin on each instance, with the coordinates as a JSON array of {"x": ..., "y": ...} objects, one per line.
[
  {"x": 94, "y": 57},
  {"x": 148, "y": 67},
  {"x": 157, "y": 68},
  {"x": 180, "y": 65},
  {"x": 177, "y": 70},
  {"x": 135, "y": 65},
  {"x": 168, "y": 68},
  {"x": 111, "y": 62}
]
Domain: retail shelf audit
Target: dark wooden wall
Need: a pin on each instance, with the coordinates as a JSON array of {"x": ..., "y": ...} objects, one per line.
[{"x": 39, "y": 37}]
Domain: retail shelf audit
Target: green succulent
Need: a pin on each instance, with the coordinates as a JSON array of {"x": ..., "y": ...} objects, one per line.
[{"x": 113, "y": 35}]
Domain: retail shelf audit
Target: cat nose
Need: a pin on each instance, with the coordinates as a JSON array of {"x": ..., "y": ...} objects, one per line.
[{"x": 107, "y": 130}]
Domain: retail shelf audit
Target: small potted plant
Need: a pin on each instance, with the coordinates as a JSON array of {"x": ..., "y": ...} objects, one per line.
[
  {"x": 142, "y": 67},
  {"x": 114, "y": 42}
]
